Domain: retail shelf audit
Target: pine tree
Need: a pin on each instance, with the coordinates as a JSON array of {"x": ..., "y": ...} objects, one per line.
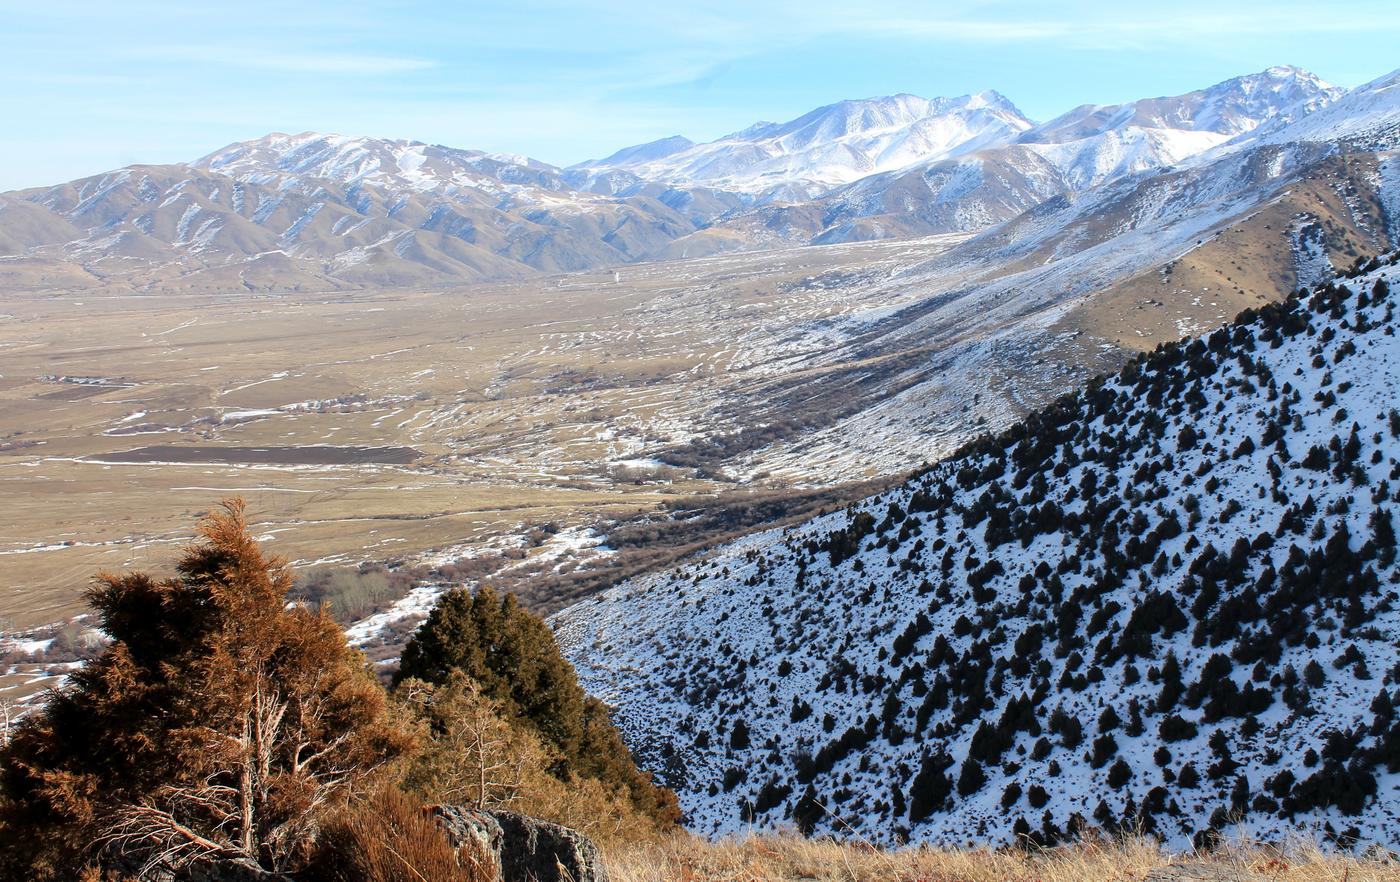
[
  {"x": 807, "y": 811},
  {"x": 930, "y": 788},
  {"x": 971, "y": 778},
  {"x": 1119, "y": 773},
  {"x": 510, "y": 653}
]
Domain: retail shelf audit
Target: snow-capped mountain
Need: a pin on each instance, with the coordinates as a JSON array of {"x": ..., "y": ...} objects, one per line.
[
  {"x": 1085, "y": 148},
  {"x": 366, "y": 217},
  {"x": 410, "y": 166},
  {"x": 832, "y": 145},
  {"x": 1229, "y": 108},
  {"x": 1095, "y": 143},
  {"x": 1166, "y": 600}
]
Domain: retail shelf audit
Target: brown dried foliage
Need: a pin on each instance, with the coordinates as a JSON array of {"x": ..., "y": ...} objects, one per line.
[
  {"x": 392, "y": 838},
  {"x": 217, "y": 723}
]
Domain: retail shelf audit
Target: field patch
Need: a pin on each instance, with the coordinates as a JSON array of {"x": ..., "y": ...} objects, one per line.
[{"x": 295, "y": 455}]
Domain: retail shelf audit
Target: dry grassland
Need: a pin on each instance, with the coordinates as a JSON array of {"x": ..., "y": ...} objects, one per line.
[{"x": 777, "y": 858}]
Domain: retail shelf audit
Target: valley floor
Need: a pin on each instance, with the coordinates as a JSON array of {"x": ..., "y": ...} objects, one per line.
[
  {"x": 780, "y": 858},
  {"x": 385, "y": 425}
]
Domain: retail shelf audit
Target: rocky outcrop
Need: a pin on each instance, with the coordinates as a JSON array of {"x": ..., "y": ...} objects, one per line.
[
  {"x": 524, "y": 849},
  {"x": 516, "y": 848},
  {"x": 1203, "y": 872}
]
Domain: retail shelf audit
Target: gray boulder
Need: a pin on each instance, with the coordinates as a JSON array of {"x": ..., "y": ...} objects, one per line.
[
  {"x": 524, "y": 849},
  {"x": 1203, "y": 872}
]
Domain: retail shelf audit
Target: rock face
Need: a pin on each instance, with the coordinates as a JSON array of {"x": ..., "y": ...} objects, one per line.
[{"x": 525, "y": 849}]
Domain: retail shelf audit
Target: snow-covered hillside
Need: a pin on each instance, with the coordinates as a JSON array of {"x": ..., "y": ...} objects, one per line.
[{"x": 1169, "y": 599}]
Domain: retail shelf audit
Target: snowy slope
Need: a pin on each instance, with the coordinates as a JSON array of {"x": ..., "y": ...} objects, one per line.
[
  {"x": 1204, "y": 545},
  {"x": 648, "y": 152},
  {"x": 1367, "y": 117}
]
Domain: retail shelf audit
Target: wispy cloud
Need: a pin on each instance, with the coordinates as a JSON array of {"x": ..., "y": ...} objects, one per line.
[
  {"x": 298, "y": 61},
  {"x": 1089, "y": 23}
]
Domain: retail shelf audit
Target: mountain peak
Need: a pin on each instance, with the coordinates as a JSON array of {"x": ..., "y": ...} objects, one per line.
[
  {"x": 1244, "y": 103},
  {"x": 1280, "y": 78},
  {"x": 651, "y": 150},
  {"x": 1370, "y": 112},
  {"x": 1290, "y": 71},
  {"x": 993, "y": 99}
]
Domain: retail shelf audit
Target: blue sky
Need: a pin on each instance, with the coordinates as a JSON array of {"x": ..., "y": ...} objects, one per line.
[{"x": 93, "y": 86}]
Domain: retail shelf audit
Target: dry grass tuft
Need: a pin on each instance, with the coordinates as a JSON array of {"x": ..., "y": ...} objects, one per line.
[
  {"x": 790, "y": 858},
  {"x": 392, "y": 838}
]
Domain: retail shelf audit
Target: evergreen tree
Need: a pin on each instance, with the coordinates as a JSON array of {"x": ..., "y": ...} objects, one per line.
[
  {"x": 511, "y": 655},
  {"x": 807, "y": 811},
  {"x": 1119, "y": 773},
  {"x": 971, "y": 778},
  {"x": 739, "y": 735},
  {"x": 930, "y": 788}
]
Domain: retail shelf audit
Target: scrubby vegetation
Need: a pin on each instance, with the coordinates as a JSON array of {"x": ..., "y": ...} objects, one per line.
[
  {"x": 353, "y": 594},
  {"x": 1168, "y": 601},
  {"x": 389, "y": 838},
  {"x": 221, "y": 723}
]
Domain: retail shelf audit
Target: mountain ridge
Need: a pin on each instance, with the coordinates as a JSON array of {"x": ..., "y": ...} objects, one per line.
[
  {"x": 440, "y": 214},
  {"x": 1215, "y": 114}
]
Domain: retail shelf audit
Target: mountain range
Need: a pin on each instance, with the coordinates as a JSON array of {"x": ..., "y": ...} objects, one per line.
[{"x": 326, "y": 211}]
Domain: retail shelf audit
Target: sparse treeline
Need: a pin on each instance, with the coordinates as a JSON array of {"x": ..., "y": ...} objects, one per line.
[{"x": 221, "y": 723}]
